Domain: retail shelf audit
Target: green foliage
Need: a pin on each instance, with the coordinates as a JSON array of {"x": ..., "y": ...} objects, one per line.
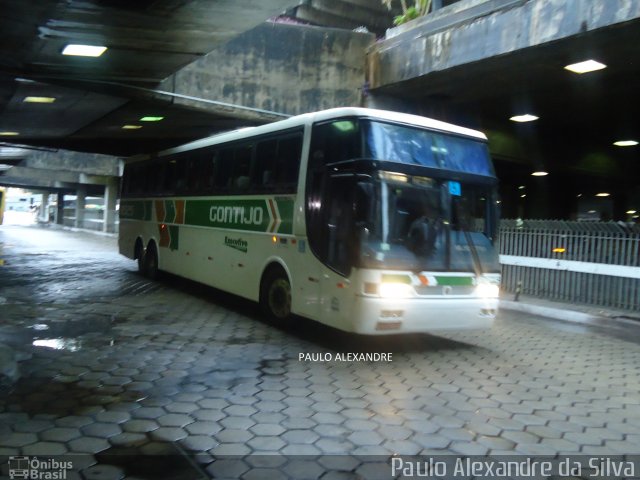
[{"x": 418, "y": 9}]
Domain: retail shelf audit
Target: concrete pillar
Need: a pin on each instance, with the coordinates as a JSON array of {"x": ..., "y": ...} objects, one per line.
[
  {"x": 44, "y": 208},
  {"x": 81, "y": 196},
  {"x": 60, "y": 209},
  {"x": 110, "y": 197}
]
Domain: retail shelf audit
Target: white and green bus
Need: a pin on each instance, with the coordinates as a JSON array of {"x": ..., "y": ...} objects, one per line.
[{"x": 369, "y": 221}]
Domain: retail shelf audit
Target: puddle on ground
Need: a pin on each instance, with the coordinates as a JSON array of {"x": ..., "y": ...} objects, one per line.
[
  {"x": 68, "y": 344},
  {"x": 39, "y": 327}
]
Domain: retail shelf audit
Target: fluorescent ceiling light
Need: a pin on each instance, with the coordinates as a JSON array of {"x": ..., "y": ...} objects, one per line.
[
  {"x": 9, "y": 134},
  {"x": 631, "y": 212},
  {"x": 527, "y": 117},
  {"x": 585, "y": 67},
  {"x": 131, "y": 127},
  {"x": 84, "y": 50},
  {"x": 625, "y": 143},
  {"x": 151, "y": 119},
  {"x": 540, "y": 173},
  {"x": 39, "y": 99},
  {"x": 603, "y": 194}
]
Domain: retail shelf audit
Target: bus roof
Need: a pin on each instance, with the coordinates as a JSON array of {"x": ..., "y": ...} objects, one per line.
[{"x": 310, "y": 118}]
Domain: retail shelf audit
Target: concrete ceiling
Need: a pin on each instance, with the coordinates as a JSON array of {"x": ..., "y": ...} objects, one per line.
[{"x": 147, "y": 41}]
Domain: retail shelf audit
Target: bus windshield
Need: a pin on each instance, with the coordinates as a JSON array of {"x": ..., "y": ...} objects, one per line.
[
  {"x": 416, "y": 223},
  {"x": 417, "y": 146}
]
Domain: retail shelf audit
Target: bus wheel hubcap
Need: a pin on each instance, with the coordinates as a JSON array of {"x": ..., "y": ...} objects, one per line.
[{"x": 280, "y": 298}]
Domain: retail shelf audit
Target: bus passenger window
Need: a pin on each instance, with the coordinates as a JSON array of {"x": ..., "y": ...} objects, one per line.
[
  {"x": 242, "y": 168},
  {"x": 194, "y": 175},
  {"x": 206, "y": 173},
  {"x": 155, "y": 178},
  {"x": 265, "y": 164},
  {"x": 223, "y": 164},
  {"x": 181, "y": 176},
  {"x": 170, "y": 177},
  {"x": 288, "y": 162}
]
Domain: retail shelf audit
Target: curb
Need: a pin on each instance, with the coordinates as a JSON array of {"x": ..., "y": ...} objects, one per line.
[
  {"x": 567, "y": 315},
  {"x": 99, "y": 233}
]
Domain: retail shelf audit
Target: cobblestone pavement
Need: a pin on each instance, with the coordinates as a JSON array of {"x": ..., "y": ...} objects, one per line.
[{"x": 110, "y": 363}]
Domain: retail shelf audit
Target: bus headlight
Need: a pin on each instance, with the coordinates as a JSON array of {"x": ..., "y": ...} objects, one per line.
[
  {"x": 395, "y": 290},
  {"x": 488, "y": 290}
]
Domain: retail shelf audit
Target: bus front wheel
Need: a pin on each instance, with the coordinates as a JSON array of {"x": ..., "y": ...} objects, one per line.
[{"x": 275, "y": 298}]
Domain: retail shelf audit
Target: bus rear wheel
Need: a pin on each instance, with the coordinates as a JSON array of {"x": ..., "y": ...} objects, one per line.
[
  {"x": 150, "y": 261},
  {"x": 275, "y": 298},
  {"x": 139, "y": 256}
]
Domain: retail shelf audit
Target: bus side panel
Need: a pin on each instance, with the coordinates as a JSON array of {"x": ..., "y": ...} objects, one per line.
[
  {"x": 127, "y": 234},
  {"x": 218, "y": 258},
  {"x": 135, "y": 222}
]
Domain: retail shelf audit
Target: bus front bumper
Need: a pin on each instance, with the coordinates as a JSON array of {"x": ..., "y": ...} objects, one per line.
[{"x": 383, "y": 316}]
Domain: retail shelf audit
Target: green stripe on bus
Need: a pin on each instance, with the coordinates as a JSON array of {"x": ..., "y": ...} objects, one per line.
[
  {"x": 174, "y": 234},
  {"x": 136, "y": 210},
  {"x": 285, "y": 207},
  {"x": 454, "y": 281},
  {"x": 240, "y": 214},
  {"x": 169, "y": 211}
]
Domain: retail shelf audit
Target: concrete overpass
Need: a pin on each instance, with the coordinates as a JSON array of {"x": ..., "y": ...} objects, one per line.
[{"x": 481, "y": 62}]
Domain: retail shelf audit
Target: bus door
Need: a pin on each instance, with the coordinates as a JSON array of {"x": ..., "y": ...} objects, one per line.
[{"x": 341, "y": 246}]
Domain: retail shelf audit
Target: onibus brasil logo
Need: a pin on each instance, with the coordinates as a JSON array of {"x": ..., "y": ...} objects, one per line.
[{"x": 37, "y": 469}]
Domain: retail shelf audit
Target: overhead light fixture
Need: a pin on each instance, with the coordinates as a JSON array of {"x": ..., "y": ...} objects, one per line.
[
  {"x": 131, "y": 127},
  {"x": 84, "y": 50},
  {"x": 540, "y": 173},
  {"x": 625, "y": 143},
  {"x": 631, "y": 212},
  {"x": 39, "y": 99},
  {"x": 521, "y": 187},
  {"x": 579, "y": 195},
  {"x": 585, "y": 67},
  {"x": 602, "y": 194},
  {"x": 523, "y": 196},
  {"x": 9, "y": 134},
  {"x": 151, "y": 119},
  {"x": 527, "y": 117}
]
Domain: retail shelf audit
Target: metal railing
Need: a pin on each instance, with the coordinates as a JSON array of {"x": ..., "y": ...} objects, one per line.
[{"x": 591, "y": 263}]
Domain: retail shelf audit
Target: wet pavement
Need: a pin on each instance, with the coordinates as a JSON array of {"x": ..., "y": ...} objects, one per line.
[{"x": 123, "y": 374}]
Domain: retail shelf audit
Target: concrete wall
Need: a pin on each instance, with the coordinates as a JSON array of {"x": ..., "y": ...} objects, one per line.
[{"x": 283, "y": 68}]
